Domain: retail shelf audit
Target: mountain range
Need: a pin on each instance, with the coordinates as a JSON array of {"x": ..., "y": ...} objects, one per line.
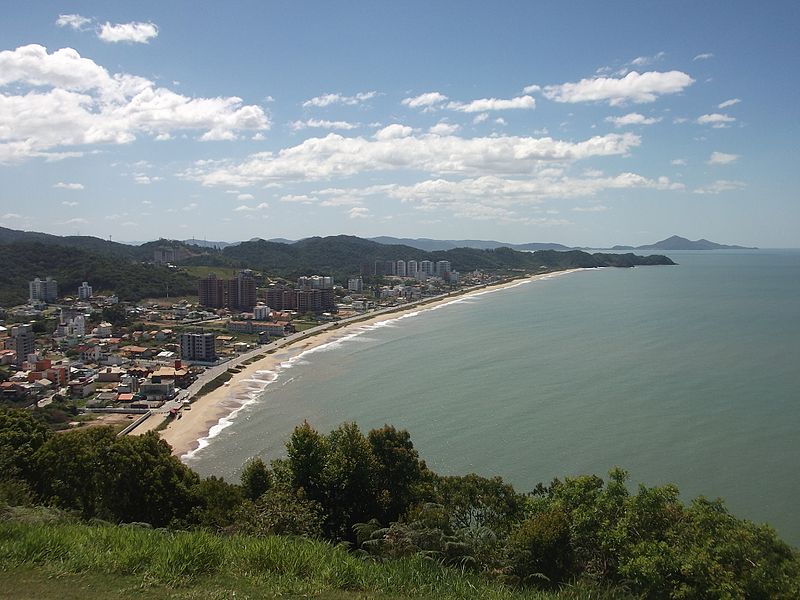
[{"x": 129, "y": 270}]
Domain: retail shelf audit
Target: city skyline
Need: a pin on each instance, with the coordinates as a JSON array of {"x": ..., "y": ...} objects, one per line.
[{"x": 553, "y": 122}]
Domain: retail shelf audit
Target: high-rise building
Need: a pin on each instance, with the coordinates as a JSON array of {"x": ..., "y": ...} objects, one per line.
[
  {"x": 412, "y": 268},
  {"x": 84, "y": 291},
  {"x": 355, "y": 284},
  {"x": 261, "y": 312},
  {"x": 242, "y": 292},
  {"x": 23, "y": 339},
  {"x": 442, "y": 268},
  {"x": 238, "y": 293},
  {"x": 43, "y": 291},
  {"x": 426, "y": 267},
  {"x": 389, "y": 267},
  {"x": 280, "y": 298},
  {"x": 198, "y": 346},
  {"x": 401, "y": 268},
  {"x": 211, "y": 292}
]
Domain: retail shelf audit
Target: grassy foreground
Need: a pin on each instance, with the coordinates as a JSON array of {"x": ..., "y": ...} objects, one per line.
[{"x": 71, "y": 560}]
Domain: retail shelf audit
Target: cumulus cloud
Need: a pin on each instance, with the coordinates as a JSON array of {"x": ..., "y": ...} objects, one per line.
[
  {"x": 678, "y": 162},
  {"x": 393, "y": 132},
  {"x": 480, "y": 118},
  {"x": 426, "y": 100},
  {"x": 498, "y": 198},
  {"x": 322, "y": 124},
  {"x": 298, "y": 198},
  {"x": 76, "y": 22},
  {"x": 70, "y": 204},
  {"x": 728, "y": 103},
  {"x": 721, "y": 158},
  {"x": 632, "y": 119},
  {"x": 358, "y": 212},
  {"x": 634, "y": 87},
  {"x": 143, "y": 179},
  {"x": 329, "y": 99},
  {"x": 135, "y": 32},
  {"x": 716, "y": 120},
  {"x": 245, "y": 197},
  {"x": 68, "y": 186},
  {"x": 531, "y": 89},
  {"x": 9, "y": 216},
  {"x": 704, "y": 56},
  {"x": 720, "y": 186},
  {"x": 63, "y": 99},
  {"x": 443, "y": 128},
  {"x": 395, "y": 149},
  {"x": 485, "y": 104}
]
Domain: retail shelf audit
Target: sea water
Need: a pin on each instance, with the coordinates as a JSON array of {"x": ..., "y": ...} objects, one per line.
[{"x": 687, "y": 374}]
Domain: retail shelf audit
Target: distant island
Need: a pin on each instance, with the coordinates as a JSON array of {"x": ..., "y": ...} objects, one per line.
[{"x": 677, "y": 242}]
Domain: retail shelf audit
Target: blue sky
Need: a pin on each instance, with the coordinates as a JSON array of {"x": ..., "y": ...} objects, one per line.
[{"x": 582, "y": 123}]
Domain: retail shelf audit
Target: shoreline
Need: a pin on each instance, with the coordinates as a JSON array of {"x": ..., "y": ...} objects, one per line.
[{"x": 216, "y": 410}]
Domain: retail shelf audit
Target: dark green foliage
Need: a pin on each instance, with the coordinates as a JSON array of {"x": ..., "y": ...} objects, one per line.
[
  {"x": 131, "y": 280},
  {"x": 256, "y": 478},
  {"x": 350, "y": 475},
  {"x": 21, "y": 435},
  {"x": 215, "y": 503},
  {"x": 473, "y": 501},
  {"x": 131, "y": 478},
  {"x": 115, "y": 315},
  {"x": 282, "y": 511}
]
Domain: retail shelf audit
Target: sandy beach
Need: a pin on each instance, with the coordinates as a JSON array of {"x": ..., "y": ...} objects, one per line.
[{"x": 209, "y": 411}]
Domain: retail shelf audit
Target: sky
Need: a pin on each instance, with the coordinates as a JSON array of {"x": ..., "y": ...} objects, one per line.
[{"x": 583, "y": 123}]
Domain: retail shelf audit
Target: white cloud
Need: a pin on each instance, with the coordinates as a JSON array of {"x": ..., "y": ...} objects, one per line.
[
  {"x": 337, "y": 156},
  {"x": 9, "y": 216},
  {"x": 136, "y": 32},
  {"x": 442, "y": 128},
  {"x": 73, "y": 21},
  {"x": 531, "y": 89},
  {"x": 68, "y": 186},
  {"x": 75, "y": 221},
  {"x": 69, "y": 100},
  {"x": 258, "y": 137},
  {"x": 590, "y": 209},
  {"x": 393, "y": 132},
  {"x": 328, "y": 99},
  {"x": 720, "y": 186},
  {"x": 632, "y": 119},
  {"x": 427, "y": 100},
  {"x": 728, "y": 103},
  {"x": 245, "y": 208},
  {"x": 633, "y": 87},
  {"x": 704, "y": 56},
  {"x": 358, "y": 212},
  {"x": 720, "y": 158},
  {"x": 190, "y": 207},
  {"x": 500, "y": 121},
  {"x": 484, "y": 104},
  {"x": 716, "y": 120},
  {"x": 322, "y": 124},
  {"x": 643, "y": 61},
  {"x": 245, "y": 197},
  {"x": 678, "y": 162},
  {"x": 517, "y": 200},
  {"x": 70, "y": 204},
  {"x": 480, "y": 118},
  {"x": 143, "y": 179},
  {"x": 298, "y": 198}
]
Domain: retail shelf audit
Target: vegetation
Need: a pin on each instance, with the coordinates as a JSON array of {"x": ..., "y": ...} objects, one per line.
[
  {"x": 121, "y": 267},
  {"x": 398, "y": 527}
]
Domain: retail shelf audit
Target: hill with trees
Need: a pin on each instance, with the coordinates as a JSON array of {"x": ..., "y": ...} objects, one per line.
[
  {"x": 130, "y": 272},
  {"x": 399, "y": 528}
]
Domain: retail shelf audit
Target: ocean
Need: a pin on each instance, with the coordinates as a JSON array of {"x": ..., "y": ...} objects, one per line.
[{"x": 686, "y": 374}]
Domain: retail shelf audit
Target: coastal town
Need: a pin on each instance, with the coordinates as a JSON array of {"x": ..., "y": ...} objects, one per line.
[{"x": 83, "y": 357}]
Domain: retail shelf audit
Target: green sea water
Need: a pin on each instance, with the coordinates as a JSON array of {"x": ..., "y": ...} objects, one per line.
[{"x": 687, "y": 374}]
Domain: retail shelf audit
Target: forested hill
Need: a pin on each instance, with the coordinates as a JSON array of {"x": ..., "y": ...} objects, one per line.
[
  {"x": 131, "y": 280},
  {"x": 343, "y": 256},
  {"x": 129, "y": 271}
]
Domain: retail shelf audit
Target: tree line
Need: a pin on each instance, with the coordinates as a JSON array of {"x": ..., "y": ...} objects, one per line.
[{"x": 374, "y": 493}]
